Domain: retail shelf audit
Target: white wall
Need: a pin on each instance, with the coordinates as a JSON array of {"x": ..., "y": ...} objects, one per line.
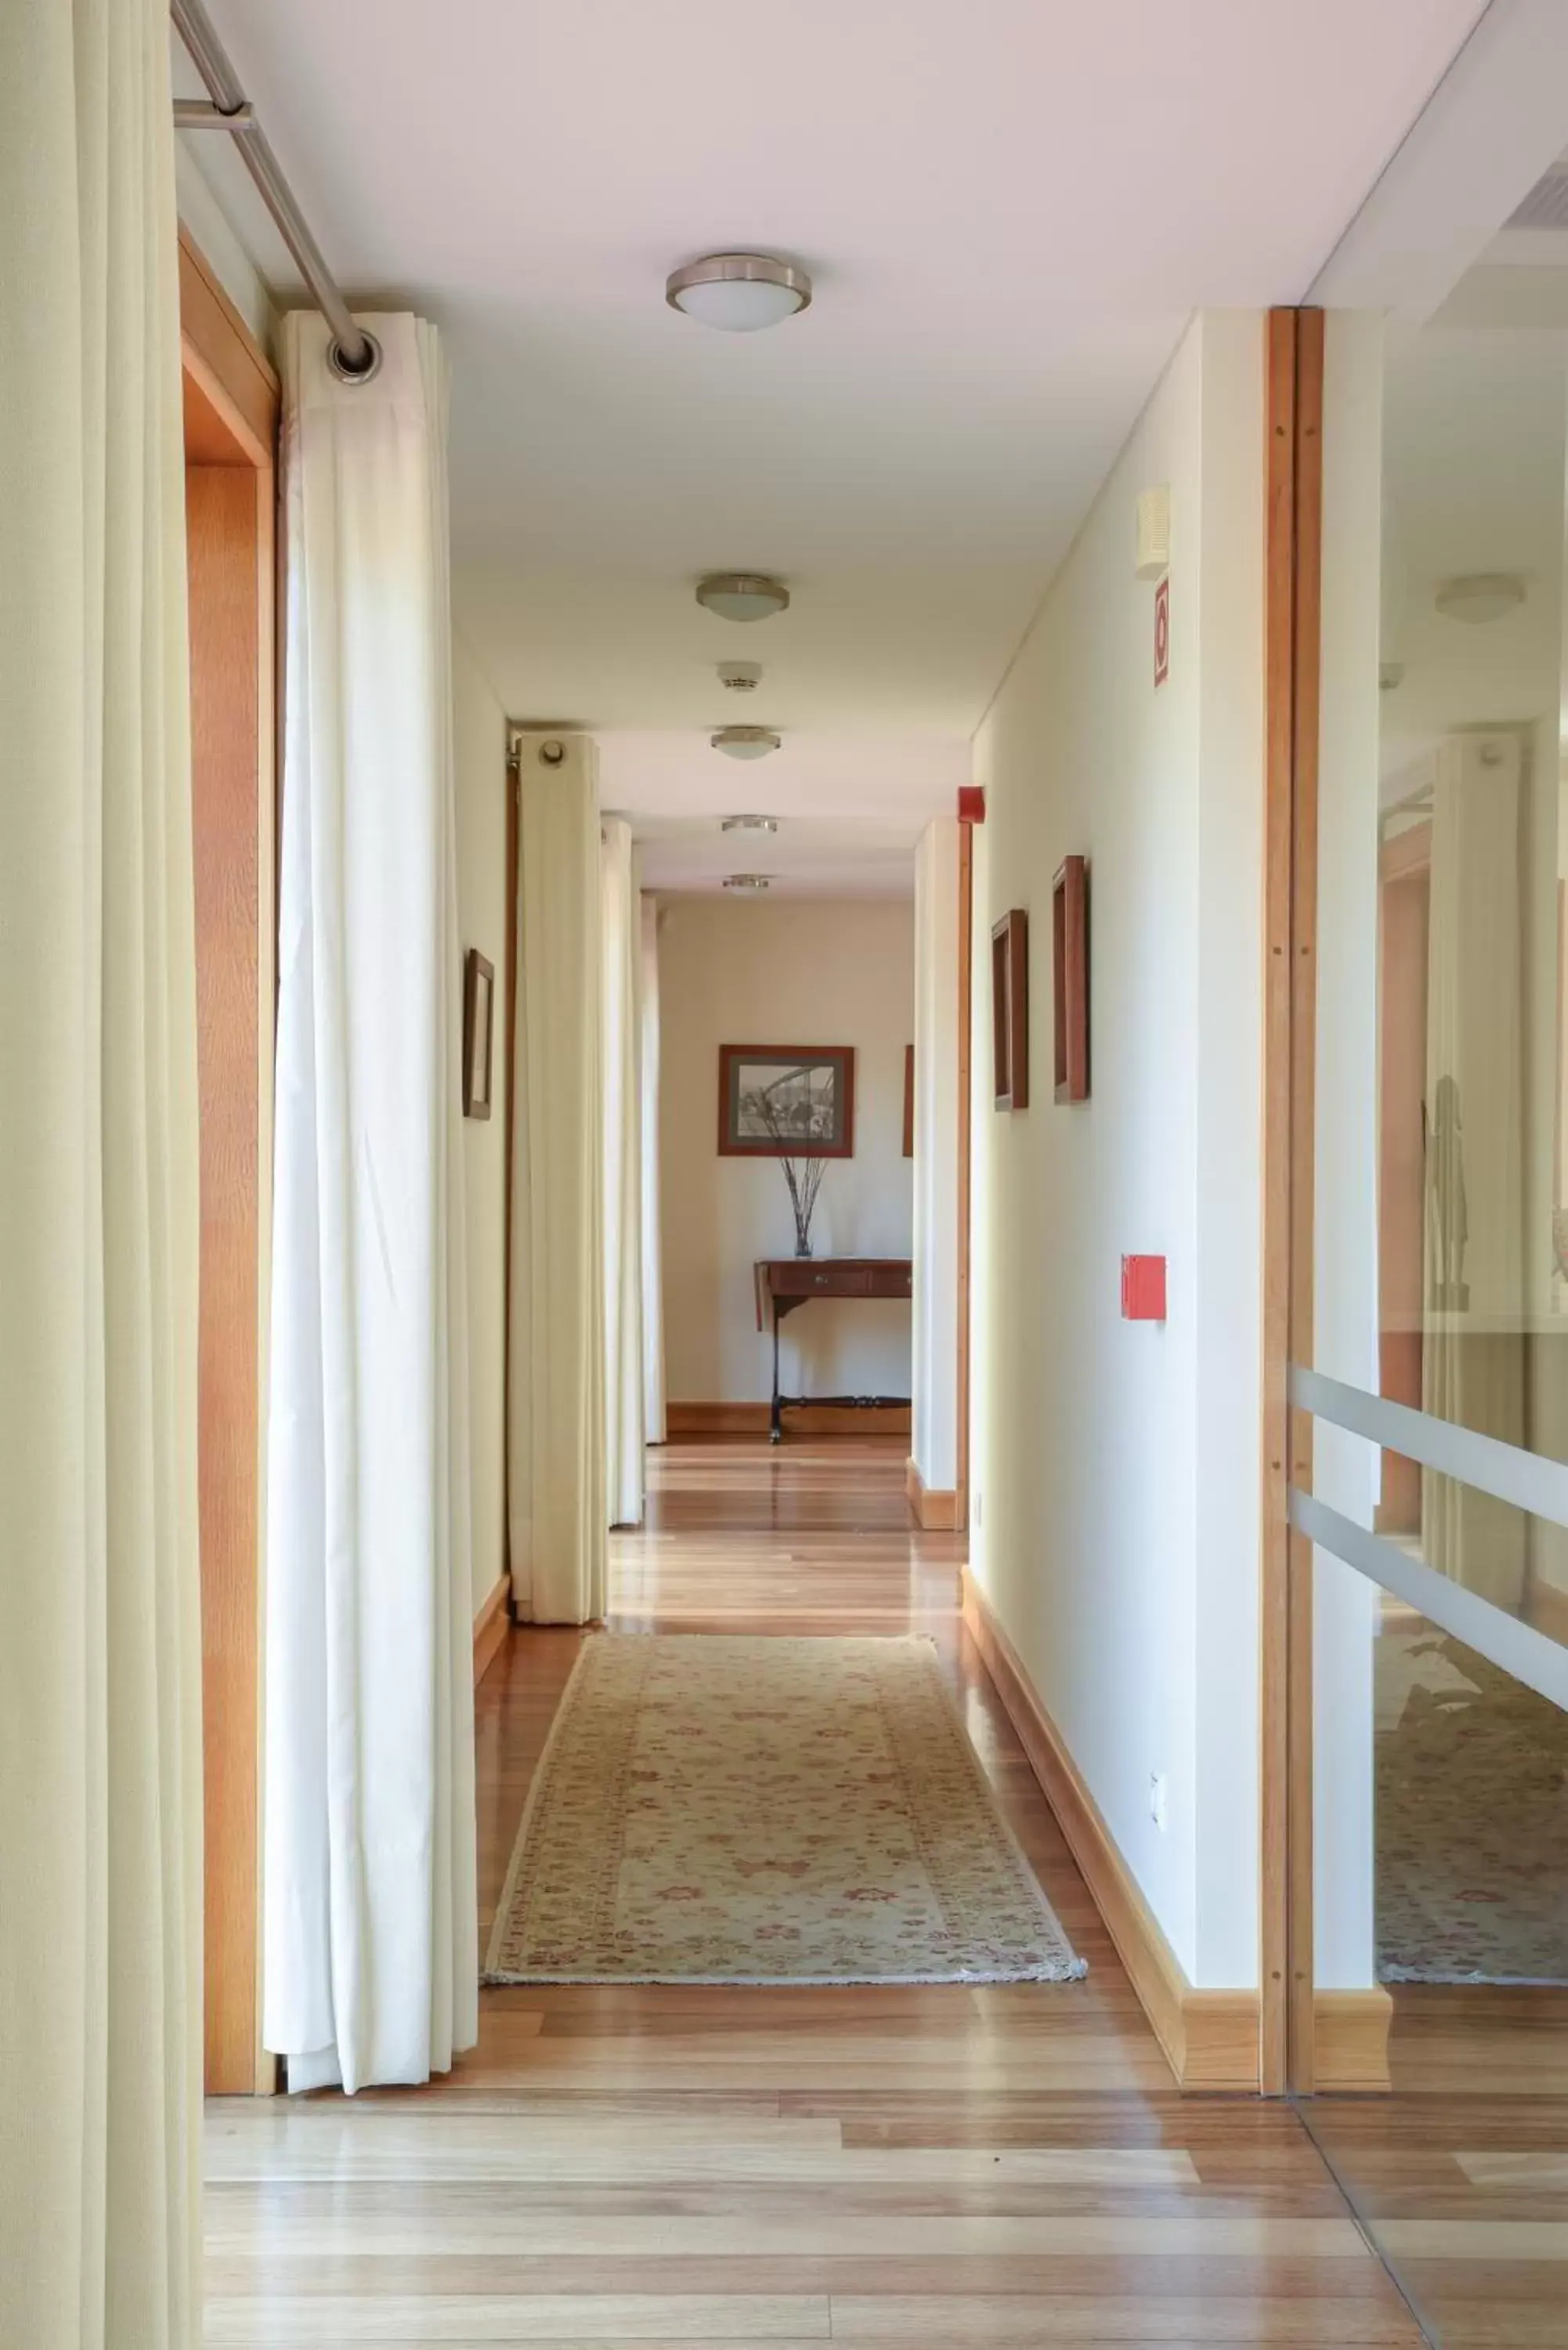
[
  {"x": 1114, "y": 1465},
  {"x": 811, "y": 972},
  {"x": 934, "y": 1430},
  {"x": 480, "y": 731}
]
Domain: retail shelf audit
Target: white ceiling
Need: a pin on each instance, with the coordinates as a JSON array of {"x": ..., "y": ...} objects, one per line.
[{"x": 1009, "y": 208}]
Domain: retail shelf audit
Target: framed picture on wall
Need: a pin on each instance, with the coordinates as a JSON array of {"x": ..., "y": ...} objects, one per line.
[
  {"x": 1010, "y": 1010},
  {"x": 478, "y": 1004},
  {"x": 1070, "y": 978},
  {"x": 796, "y": 1100},
  {"x": 909, "y": 1101}
]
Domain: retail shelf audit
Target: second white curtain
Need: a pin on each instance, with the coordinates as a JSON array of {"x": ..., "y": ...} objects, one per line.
[
  {"x": 555, "y": 1390},
  {"x": 623, "y": 1148},
  {"x": 653, "y": 1413}
]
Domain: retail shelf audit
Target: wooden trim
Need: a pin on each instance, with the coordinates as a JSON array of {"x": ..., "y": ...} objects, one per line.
[
  {"x": 723, "y": 1418},
  {"x": 965, "y": 1149},
  {"x": 230, "y": 402},
  {"x": 491, "y": 1627},
  {"x": 1210, "y": 2037},
  {"x": 1292, "y": 562},
  {"x": 509, "y": 1113},
  {"x": 1305, "y": 719},
  {"x": 1350, "y": 2040},
  {"x": 219, "y": 352},
  {"x": 933, "y": 1510},
  {"x": 1280, "y": 376}
]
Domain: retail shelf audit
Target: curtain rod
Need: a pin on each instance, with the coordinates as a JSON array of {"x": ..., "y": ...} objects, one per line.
[{"x": 354, "y": 355}]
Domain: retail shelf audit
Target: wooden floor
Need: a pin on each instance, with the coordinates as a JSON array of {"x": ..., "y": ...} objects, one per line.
[{"x": 920, "y": 2168}]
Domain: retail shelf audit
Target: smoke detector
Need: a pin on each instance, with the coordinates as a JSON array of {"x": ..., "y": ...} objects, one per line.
[
  {"x": 751, "y": 885},
  {"x": 740, "y": 677},
  {"x": 750, "y": 824},
  {"x": 742, "y": 595},
  {"x": 745, "y": 742}
]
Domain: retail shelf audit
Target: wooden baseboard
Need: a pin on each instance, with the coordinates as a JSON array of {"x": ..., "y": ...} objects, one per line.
[
  {"x": 806, "y": 1420},
  {"x": 931, "y": 1507},
  {"x": 1210, "y": 2037},
  {"x": 1350, "y": 2039},
  {"x": 491, "y": 1627}
]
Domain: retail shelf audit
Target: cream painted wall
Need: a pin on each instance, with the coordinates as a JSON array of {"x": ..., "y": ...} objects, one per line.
[
  {"x": 813, "y": 972},
  {"x": 480, "y": 732},
  {"x": 1114, "y": 1465}
]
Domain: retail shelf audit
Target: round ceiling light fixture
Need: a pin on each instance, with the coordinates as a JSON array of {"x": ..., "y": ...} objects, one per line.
[
  {"x": 738, "y": 292},
  {"x": 742, "y": 595},
  {"x": 752, "y": 884},
  {"x": 750, "y": 824},
  {"x": 1481, "y": 597},
  {"x": 745, "y": 742}
]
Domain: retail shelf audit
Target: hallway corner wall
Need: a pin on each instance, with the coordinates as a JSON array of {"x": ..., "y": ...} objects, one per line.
[
  {"x": 818, "y": 971},
  {"x": 479, "y": 727},
  {"x": 1114, "y": 1514}
]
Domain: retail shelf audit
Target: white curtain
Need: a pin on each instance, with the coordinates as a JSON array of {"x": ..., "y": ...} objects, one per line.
[
  {"x": 555, "y": 1402},
  {"x": 619, "y": 1010},
  {"x": 1473, "y": 1346},
  {"x": 101, "y": 1842},
  {"x": 371, "y": 1965},
  {"x": 653, "y": 1415}
]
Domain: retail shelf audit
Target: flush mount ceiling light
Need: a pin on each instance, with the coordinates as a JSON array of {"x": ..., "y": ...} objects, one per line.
[
  {"x": 750, "y": 824},
  {"x": 754, "y": 884},
  {"x": 745, "y": 742},
  {"x": 738, "y": 292},
  {"x": 742, "y": 595},
  {"x": 1483, "y": 596}
]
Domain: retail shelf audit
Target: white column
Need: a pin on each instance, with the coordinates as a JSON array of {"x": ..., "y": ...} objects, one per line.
[{"x": 934, "y": 1339}]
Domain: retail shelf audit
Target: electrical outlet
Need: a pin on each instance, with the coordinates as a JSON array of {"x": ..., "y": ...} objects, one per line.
[{"x": 1156, "y": 1799}]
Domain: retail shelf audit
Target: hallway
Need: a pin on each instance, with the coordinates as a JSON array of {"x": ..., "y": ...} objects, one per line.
[{"x": 919, "y": 2166}]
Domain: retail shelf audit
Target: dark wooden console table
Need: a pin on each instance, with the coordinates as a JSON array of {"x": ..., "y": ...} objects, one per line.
[{"x": 783, "y": 1282}]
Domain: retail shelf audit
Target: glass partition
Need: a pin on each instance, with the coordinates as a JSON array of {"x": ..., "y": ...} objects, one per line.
[{"x": 1435, "y": 1369}]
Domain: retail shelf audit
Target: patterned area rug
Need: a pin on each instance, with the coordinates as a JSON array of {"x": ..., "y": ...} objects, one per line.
[
  {"x": 1472, "y": 1818},
  {"x": 767, "y": 1811}
]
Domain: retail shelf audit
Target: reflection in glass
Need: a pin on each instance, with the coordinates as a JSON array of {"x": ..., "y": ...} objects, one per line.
[
  {"x": 1471, "y": 1811},
  {"x": 1473, "y": 1305}
]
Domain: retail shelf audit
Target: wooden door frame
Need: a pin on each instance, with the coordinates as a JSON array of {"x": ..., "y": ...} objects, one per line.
[
  {"x": 1293, "y": 574},
  {"x": 232, "y": 408}
]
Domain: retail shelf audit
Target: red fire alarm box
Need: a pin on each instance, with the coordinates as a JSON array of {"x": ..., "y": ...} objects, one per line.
[{"x": 1143, "y": 1289}]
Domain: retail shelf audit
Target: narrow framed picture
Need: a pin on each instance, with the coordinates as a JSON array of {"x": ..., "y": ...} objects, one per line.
[
  {"x": 786, "y": 1100},
  {"x": 1070, "y": 978},
  {"x": 1010, "y": 1010},
  {"x": 909, "y": 1101},
  {"x": 478, "y": 1013}
]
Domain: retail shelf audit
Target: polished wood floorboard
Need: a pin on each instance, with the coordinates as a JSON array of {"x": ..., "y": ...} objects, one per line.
[{"x": 926, "y": 2167}]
